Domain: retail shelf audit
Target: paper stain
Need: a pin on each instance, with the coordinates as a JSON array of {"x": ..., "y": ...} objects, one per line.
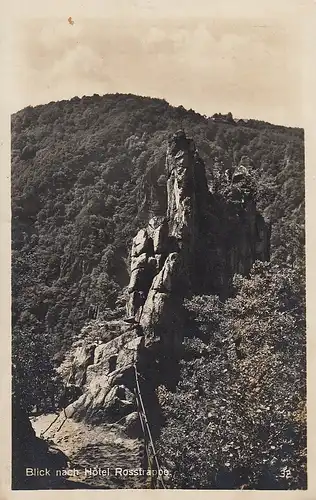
[{"x": 70, "y": 21}]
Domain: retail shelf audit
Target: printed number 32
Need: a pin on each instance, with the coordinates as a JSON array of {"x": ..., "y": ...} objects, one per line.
[{"x": 286, "y": 473}]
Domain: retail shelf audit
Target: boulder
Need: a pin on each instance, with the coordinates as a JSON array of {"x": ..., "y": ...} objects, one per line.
[{"x": 130, "y": 352}]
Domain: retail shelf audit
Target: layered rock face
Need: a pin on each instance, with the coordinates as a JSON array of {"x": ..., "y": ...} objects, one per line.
[
  {"x": 196, "y": 248},
  {"x": 203, "y": 241},
  {"x": 187, "y": 192},
  {"x": 163, "y": 254},
  {"x": 106, "y": 378}
]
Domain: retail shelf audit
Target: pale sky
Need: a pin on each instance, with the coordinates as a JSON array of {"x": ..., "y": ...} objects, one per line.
[{"x": 212, "y": 60}]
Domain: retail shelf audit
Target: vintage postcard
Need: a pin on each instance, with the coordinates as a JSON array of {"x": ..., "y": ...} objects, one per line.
[{"x": 158, "y": 326}]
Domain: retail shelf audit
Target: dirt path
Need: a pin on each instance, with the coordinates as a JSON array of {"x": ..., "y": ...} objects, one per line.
[{"x": 104, "y": 448}]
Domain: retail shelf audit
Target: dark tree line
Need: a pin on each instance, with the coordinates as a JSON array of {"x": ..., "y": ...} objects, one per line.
[{"x": 86, "y": 174}]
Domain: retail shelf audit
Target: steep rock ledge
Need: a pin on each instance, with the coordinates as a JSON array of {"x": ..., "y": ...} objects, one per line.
[{"x": 204, "y": 239}]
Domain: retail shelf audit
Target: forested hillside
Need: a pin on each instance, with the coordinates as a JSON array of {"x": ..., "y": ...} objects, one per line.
[{"x": 86, "y": 174}]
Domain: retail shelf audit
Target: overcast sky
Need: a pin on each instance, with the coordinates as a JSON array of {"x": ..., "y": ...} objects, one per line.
[{"x": 247, "y": 62}]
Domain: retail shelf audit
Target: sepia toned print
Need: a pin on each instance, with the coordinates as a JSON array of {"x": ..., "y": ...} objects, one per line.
[{"x": 158, "y": 256}]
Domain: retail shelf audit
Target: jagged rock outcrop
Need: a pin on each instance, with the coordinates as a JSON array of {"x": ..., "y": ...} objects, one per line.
[
  {"x": 108, "y": 383},
  {"x": 163, "y": 254},
  {"x": 187, "y": 191},
  {"x": 204, "y": 239}
]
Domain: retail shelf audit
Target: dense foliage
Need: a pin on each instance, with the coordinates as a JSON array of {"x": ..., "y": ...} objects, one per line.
[
  {"x": 86, "y": 174},
  {"x": 237, "y": 418}
]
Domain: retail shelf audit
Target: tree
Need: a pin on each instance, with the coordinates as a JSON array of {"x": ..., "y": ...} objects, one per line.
[
  {"x": 238, "y": 417},
  {"x": 34, "y": 376}
]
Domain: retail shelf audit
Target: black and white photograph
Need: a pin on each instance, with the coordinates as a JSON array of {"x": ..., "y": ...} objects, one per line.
[{"x": 158, "y": 271}]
